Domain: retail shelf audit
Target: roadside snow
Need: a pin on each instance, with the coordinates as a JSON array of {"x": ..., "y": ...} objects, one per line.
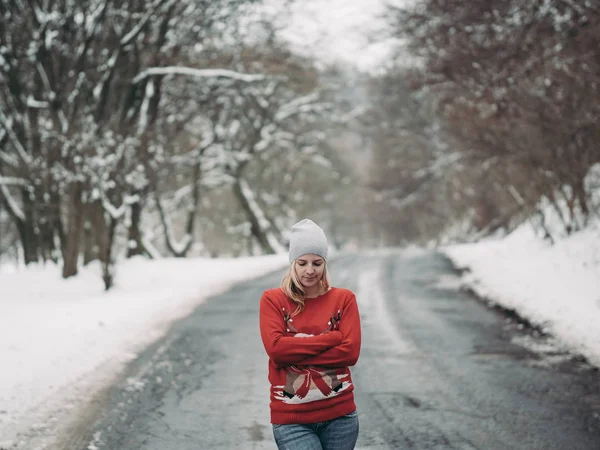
[
  {"x": 556, "y": 287},
  {"x": 61, "y": 341}
]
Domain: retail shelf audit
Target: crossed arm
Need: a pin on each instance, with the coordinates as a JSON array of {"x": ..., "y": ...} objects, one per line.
[{"x": 337, "y": 348}]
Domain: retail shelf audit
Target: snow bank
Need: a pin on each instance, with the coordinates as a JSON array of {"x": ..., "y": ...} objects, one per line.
[
  {"x": 556, "y": 287},
  {"x": 61, "y": 341}
]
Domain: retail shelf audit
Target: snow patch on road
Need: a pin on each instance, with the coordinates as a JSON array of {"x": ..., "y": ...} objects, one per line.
[{"x": 374, "y": 311}]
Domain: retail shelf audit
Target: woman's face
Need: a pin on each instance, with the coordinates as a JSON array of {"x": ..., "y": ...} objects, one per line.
[{"x": 309, "y": 269}]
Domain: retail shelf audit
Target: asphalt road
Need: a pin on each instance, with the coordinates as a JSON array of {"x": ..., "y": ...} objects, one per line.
[{"x": 438, "y": 370}]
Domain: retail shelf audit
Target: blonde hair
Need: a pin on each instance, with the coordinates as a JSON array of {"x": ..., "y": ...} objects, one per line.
[{"x": 290, "y": 284}]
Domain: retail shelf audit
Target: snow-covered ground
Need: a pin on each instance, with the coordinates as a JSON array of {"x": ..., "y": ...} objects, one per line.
[
  {"x": 556, "y": 287},
  {"x": 61, "y": 341}
]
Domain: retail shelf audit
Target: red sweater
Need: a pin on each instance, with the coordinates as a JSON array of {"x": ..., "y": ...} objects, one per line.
[{"x": 309, "y": 375}]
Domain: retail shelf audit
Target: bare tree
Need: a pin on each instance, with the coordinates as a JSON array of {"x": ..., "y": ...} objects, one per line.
[
  {"x": 80, "y": 88},
  {"x": 514, "y": 86}
]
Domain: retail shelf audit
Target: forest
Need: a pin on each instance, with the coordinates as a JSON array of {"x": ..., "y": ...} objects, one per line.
[{"x": 157, "y": 128}]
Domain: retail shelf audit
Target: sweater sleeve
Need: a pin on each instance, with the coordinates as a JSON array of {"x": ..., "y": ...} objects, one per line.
[
  {"x": 346, "y": 353},
  {"x": 287, "y": 350}
]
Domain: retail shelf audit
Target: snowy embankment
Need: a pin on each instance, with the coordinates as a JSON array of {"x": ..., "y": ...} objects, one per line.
[
  {"x": 62, "y": 341},
  {"x": 556, "y": 287}
]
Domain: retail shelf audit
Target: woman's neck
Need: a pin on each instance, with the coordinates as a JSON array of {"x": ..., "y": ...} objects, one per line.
[{"x": 315, "y": 291}]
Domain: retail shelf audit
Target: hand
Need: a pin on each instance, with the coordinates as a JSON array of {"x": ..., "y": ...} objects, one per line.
[{"x": 301, "y": 335}]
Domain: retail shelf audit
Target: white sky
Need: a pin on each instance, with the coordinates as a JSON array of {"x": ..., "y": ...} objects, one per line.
[{"x": 349, "y": 30}]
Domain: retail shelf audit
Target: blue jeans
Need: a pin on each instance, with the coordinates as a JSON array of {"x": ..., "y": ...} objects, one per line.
[{"x": 337, "y": 434}]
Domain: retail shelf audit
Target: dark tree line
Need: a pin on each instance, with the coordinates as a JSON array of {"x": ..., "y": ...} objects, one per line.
[{"x": 511, "y": 89}]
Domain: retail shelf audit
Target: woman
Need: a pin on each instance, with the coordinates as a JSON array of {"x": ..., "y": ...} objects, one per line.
[{"x": 311, "y": 332}]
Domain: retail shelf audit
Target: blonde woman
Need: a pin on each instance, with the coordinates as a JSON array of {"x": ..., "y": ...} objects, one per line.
[{"x": 311, "y": 333}]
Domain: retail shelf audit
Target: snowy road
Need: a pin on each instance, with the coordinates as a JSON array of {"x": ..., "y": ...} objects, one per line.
[{"x": 438, "y": 370}]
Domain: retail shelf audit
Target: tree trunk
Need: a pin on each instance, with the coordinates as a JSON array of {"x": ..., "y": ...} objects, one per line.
[
  {"x": 552, "y": 198},
  {"x": 56, "y": 225},
  {"x": 255, "y": 228},
  {"x": 102, "y": 237},
  {"x": 27, "y": 231},
  {"x": 106, "y": 254},
  {"x": 135, "y": 246},
  {"x": 89, "y": 243},
  {"x": 192, "y": 212},
  {"x": 169, "y": 240},
  {"x": 27, "y": 244},
  {"x": 94, "y": 232},
  {"x": 48, "y": 229},
  {"x": 20, "y": 225},
  {"x": 582, "y": 197},
  {"x": 73, "y": 237},
  {"x": 46, "y": 240}
]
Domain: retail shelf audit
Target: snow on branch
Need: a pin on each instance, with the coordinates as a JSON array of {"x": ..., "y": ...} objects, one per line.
[
  {"x": 12, "y": 181},
  {"x": 181, "y": 246},
  {"x": 12, "y": 204},
  {"x": 178, "y": 248},
  {"x": 201, "y": 73},
  {"x": 270, "y": 134},
  {"x": 125, "y": 40},
  {"x": 304, "y": 104},
  {"x": 143, "y": 123},
  {"x": 109, "y": 66},
  {"x": 351, "y": 115},
  {"x": 46, "y": 81},
  {"x": 117, "y": 213},
  {"x": 33, "y": 103},
  {"x": 93, "y": 19},
  {"x": 7, "y": 124},
  {"x": 405, "y": 201},
  {"x": 8, "y": 159},
  {"x": 263, "y": 222},
  {"x": 150, "y": 248}
]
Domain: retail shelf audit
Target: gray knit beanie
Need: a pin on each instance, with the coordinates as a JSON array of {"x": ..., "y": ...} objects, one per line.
[{"x": 307, "y": 238}]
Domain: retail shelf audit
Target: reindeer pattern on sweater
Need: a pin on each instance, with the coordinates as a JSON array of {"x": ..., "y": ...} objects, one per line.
[{"x": 311, "y": 383}]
